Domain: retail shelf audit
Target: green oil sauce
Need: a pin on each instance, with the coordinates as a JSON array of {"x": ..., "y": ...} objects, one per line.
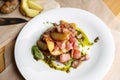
[
  {"x": 96, "y": 39},
  {"x": 38, "y": 55},
  {"x": 84, "y": 41},
  {"x": 51, "y": 64}
]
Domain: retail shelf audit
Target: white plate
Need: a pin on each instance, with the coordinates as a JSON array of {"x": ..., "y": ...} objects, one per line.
[{"x": 101, "y": 54}]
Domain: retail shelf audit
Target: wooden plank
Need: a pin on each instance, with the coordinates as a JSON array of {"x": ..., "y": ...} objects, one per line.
[
  {"x": 9, "y": 33},
  {"x": 9, "y": 53},
  {"x": 2, "y": 60},
  {"x": 114, "y": 5},
  {"x": 118, "y": 16}
]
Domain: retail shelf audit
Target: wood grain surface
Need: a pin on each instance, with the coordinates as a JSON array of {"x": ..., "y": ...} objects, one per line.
[
  {"x": 96, "y": 7},
  {"x": 114, "y": 5},
  {"x": 10, "y": 32},
  {"x": 2, "y": 62}
]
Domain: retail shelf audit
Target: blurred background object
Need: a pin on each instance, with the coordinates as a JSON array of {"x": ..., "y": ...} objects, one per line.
[{"x": 114, "y": 6}]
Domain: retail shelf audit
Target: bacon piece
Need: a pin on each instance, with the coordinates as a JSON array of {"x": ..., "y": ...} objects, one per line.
[
  {"x": 76, "y": 63},
  {"x": 75, "y": 45},
  {"x": 69, "y": 45},
  {"x": 76, "y": 54},
  {"x": 65, "y": 30},
  {"x": 46, "y": 36},
  {"x": 64, "y": 58},
  {"x": 61, "y": 44},
  {"x": 72, "y": 38},
  {"x": 71, "y": 29},
  {"x": 84, "y": 58},
  {"x": 56, "y": 48}
]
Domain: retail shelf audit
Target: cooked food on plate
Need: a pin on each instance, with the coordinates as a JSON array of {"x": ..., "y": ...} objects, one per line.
[{"x": 63, "y": 46}]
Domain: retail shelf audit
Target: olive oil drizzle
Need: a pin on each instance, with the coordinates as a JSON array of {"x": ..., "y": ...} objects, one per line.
[
  {"x": 84, "y": 41},
  {"x": 56, "y": 67}
]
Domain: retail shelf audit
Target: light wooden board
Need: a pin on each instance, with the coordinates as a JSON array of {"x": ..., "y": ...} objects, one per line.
[
  {"x": 8, "y": 33},
  {"x": 114, "y": 5},
  {"x": 2, "y": 62}
]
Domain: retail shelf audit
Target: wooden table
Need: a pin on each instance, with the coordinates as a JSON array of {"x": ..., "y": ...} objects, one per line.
[{"x": 96, "y": 7}]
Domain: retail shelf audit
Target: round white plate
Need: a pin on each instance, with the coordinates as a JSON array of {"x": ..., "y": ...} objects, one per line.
[{"x": 101, "y": 54}]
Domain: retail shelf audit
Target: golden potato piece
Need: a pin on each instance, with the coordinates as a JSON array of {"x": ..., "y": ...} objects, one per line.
[
  {"x": 42, "y": 45},
  {"x": 73, "y": 25},
  {"x": 26, "y": 10},
  {"x": 57, "y": 52},
  {"x": 50, "y": 45},
  {"x": 59, "y": 36},
  {"x": 35, "y": 6}
]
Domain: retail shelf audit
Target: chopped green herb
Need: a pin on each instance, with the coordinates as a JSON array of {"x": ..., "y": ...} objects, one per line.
[
  {"x": 51, "y": 64},
  {"x": 37, "y": 53},
  {"x": 84, "y": 41},
  {"x": 96, "y": 39},
  {"x": 68, "y": 63}
]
